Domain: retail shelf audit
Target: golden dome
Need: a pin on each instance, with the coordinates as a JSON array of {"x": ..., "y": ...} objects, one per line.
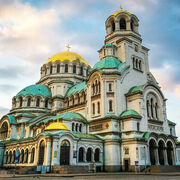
[
  {"x": 121, "y": 11},
  {"x": 67, "y": 55},
  {"x": 56, "y": 126}
]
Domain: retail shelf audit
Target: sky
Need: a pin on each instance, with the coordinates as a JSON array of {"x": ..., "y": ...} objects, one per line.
[{"x": 31, "y": 31}]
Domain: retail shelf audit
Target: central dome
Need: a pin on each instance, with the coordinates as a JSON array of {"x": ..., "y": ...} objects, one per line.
[{"x": 67, "y": 55}]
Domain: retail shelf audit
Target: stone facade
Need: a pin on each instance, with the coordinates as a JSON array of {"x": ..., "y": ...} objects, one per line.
[{"x": 112, "y": 115}]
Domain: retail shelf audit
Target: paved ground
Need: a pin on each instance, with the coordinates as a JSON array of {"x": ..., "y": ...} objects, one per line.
[{"x": 99, "y": 177}]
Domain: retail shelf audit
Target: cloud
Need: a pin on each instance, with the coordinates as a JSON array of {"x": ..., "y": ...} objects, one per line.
[{"x": 3, "y": 111}]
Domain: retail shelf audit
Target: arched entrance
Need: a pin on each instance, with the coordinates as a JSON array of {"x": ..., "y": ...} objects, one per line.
[
  {"x": 152, "y": 148},
  {"x": 161, "y": 147},
  {"x": 65, "y": 152},
  {"x": 170, "y": 153},
  {"x": 4, "y": 131},
  {"x": 41, "y": 152}
]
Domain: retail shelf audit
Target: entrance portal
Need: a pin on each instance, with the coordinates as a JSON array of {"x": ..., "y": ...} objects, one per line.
[
  {"x": 65, "y": 153},
  {"x": 170, "y": 153},
  {"x": 152, "y": 147},
  {"x": 161, "y": 149},
  {"x": 126, "y": 165}
]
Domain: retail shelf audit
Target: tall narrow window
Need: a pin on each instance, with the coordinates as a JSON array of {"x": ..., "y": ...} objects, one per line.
[
  {"x": 137, "y": 126},
  {"x": 110, "y": 87},
  {"x": 122, "y": 24},
  {"x": 147, "y": 107},
  {"x": 66, "y": 68},
  {"x": 81, "y": 71},
  {"x": 98, "y": 104},
  {"x": 78, "y": 99},
  {"x": 134, "y": 64},
  {"x": 104, "y": 52},
  {"x": 74, "y": 69},
  {"x": 113, "y": 26},
  {"x": 110, "y": 106},
  {"x": 96, "y": 87},
  {"x": 81, "y": 154},
  {"x": 93, "y": 108},
  {"x": 72, "y": 126},
  {"x": 29, "y": 102},
  {"x": 58, "y": 68},
  {"x": 46, "y": 103},
  {"x": 139, "y": 65},
  {"x": 32, "y": 155},
  {"x": 20, "y": 101},
  {"x": 80, "y": 128},
  {"x": 89, "y": 155},
  {"x": 132, "y": 25},
  {"x": 37, "y": 102},
  {"x": 152, "y": 113},
  {"x": 77, "y": 127},
  {"x": 156, "y": 110},
  {"x": 51, "y": 69},
  {"x": 93, "y": 88},
  {"x": 99, "y": 89}
]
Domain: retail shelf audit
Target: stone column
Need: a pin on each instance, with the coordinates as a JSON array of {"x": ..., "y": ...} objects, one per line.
[
  {"x": 156, "y": 155},
  {"x": 47, "y": 153},
  {"x": 117, "y": 27},
  {"x": 165, "y": 156},
  {"x": 92, "y": 156},
  {"x": 84, "y": 156},
  {"x": 128, "y": 27}
]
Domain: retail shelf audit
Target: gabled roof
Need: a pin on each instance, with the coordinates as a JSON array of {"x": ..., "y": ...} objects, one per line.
[
  {"x": 76, "y": 88},
  {"x": 171, "y": 123}
]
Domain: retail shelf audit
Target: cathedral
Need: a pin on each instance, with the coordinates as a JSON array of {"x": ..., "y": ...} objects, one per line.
[{"x": 111, "y": 115}]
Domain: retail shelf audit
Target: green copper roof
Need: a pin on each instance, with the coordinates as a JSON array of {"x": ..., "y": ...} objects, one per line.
[
  {"x": 109, "y": 45},
  {"x": 135, "y": 89},
  {"x": 146, "y": 135},
  {"x": 37, "y": 89},
  {"x": 130, "y": 113},
  {"x": 108, "y": 63},
  {"x": 25, "y": 115},
  {"x": 111, "y": 115},
  {"x": 171, "y": 123},
  {"x": 12, "y": 119},
  {"x": 76, "y": 88},
  {"x": 85, "y": 136}
]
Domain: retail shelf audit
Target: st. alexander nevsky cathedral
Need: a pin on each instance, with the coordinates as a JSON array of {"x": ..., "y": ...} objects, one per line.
[{"x": 111, "y": 115}]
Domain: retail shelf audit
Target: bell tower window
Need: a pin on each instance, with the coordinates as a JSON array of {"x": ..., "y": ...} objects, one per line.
[
  {"x": 122, "y": 24},
  {"x": 74, "y": 69},
  {"x": 66, "y": 68},
  {"x": 132, "y": 25},
  {"x": 113, "y": 26}
]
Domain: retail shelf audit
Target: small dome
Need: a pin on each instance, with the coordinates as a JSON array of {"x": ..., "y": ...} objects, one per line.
[
  {"x": 121, "y": 11},
  {"x": 56, "y": 126},
  {"x": 108, "y": 63},
  {"x": 67, "y": 55},
  {"x": 37, "y": 89}
]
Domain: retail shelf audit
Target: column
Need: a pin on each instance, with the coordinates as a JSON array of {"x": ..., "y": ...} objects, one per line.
[
  {"x": 84, "y": 156},
  {"x": 165, "y": 156},
  {"x": 117, "y": 26},
  {"x": 48, "y": 152},
  {"x": 92, "y": 156},
  {"x": 128, "y": 25},
  {"x": 156, "y": 155}
]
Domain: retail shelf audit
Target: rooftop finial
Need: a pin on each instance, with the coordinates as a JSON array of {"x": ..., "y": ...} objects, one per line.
[
  {"x": 68, "y": 47},
  {"x": 121, "y": 8}
]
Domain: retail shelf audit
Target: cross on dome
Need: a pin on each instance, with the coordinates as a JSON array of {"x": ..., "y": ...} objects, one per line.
[{"x": 68, "y": 47}]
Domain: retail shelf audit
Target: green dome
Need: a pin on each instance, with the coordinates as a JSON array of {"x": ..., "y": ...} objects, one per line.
[
  {"x": 37, "y": 89},
  {"x": 108, "y": 63}
]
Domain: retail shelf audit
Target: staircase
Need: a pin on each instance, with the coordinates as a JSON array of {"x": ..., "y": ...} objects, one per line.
[
  {"x": 70, "y": 169},
  {"x": 163, "y": 169}
]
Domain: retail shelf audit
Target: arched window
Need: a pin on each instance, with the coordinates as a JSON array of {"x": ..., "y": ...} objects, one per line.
[
  {"x": 93, "y": 88},
  {"x": 51, "y": 69},
  {"x": 89, "y": 155},
  {"x": 139, "y": 65},
  {"x": 41, "y": 152},
  {"x": 29, "y": 102},
  {"x": 132, "y": 25},
  {"x": 45, "y": 71},
  {"x": 66, "y": 68},
  {"x": 32, "y": 155},
  {"x": 137, "y": 126},
  {"x": 81, "y": 70},
  {"x": 99, "y": 85},
  {"x": 110, "y": 106},
  {"x": 77, "y": 127},
  {"x": 98, "y": 104},
  {"x": 26, "y": 156},
  {"x": 110, "y": 87},
  {"x": 74, "y": 69},
  {"x": 93, "y": 108},
  {"x": 46, "y": 103},
  {"x": 72, "y": 126},
  {"x": 22, "y": 156},
  {"x": 80, "y": 128},
  {"x": 122, "y": 24},
  {"x": 152, "y": 113},
  {"x": 14, "y": 156},
  {"x": 104, "y": 52},
  {"x": 113, "y": 26},
  {"x": 96, "y": 87},
  {"x": 72, "y": 100},
  {"x": 20, "y": 101},
  {"x": 58, "y": 68},
  {"x": 38, "y": 102},
  {"x": 147, "y": 107},
  {"x": 97, "y": 155},
  {"x": 136, "y": 63},
  {"x": 156, "y": 110},
  {"x": 10, "y": 157},
  {"x": 4, "y": 131},
  {"x": 78, "y": 99},
  {"x": 81, "y": 154}
]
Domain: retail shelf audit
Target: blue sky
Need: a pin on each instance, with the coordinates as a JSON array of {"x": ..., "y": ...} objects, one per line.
[{"x": 31, "y": 31}]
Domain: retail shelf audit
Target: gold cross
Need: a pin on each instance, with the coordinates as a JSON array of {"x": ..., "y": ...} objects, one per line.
[
  {"x": 68, "y": 47},
  {"x": 121, "y": 8}
]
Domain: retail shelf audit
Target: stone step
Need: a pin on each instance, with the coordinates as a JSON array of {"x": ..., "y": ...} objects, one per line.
[{"x": 162, "y": 169}]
